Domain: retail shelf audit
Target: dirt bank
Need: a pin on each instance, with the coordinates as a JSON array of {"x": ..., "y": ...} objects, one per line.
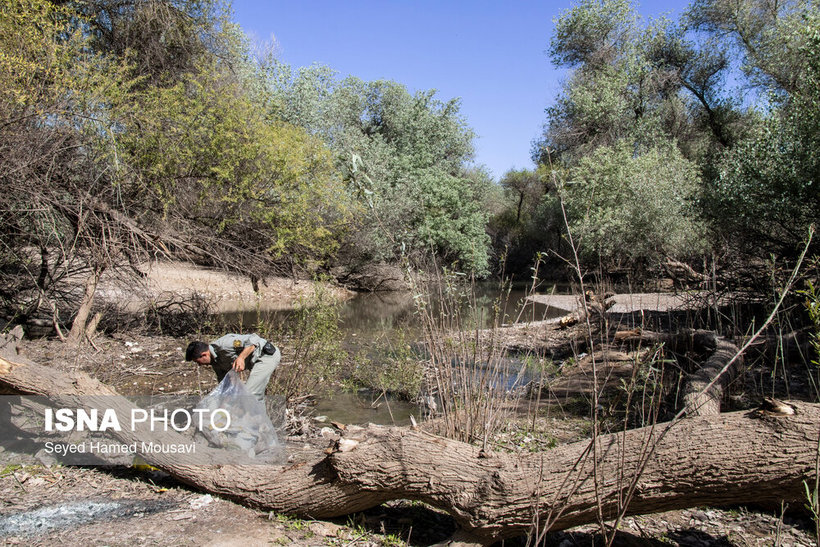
[
  {"x": 629, "y": 302},
  {"x": 224, "y": 290}
]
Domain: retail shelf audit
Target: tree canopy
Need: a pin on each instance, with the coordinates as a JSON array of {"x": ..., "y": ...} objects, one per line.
[
  {"x": 152, "y": 129},
  {"x": 139, "y": 129},
  {"x": 405, "y": 157},
  {"x": 669, "y": 134},
  {"x": 106, "y": 162}
]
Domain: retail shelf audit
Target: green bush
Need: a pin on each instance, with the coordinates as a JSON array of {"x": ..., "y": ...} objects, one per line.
[
  {"x": 314, "y": 358},
  {"x": 391, "y": 367},
  {"x": 627, "y": 208}
]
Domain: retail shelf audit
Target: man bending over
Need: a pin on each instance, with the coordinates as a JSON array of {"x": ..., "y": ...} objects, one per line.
[{"x": 238, "y": 352}]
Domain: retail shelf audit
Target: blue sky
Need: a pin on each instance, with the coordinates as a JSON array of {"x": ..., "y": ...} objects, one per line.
[{"x": 492, "y": 55}]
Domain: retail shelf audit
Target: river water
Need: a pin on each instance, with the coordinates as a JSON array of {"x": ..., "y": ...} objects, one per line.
[{"x": 368, "y": 317}]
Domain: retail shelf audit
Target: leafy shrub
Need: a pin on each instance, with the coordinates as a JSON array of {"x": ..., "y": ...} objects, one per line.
[
  {"x": 391, "y": 367},
  {"x": 627, "y": 208},
  {"x": 314, "y": 357}
]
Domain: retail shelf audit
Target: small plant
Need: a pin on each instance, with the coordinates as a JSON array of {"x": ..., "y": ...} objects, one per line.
[
  {"x": 393, "y": 540},
  {"x": 316, "y": 355},
  {"x": 812, "y": 294},
  {"x": 357, "y": 528},
  {"x": 9, "y": 469},
  {"x": 813, "y": 506},
  {"x": 288, "y": 522},
  {"x": 398, "y": 369}
]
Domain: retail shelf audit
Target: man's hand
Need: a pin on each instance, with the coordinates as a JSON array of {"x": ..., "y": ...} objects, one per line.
[{"x": 239, "y": 363}]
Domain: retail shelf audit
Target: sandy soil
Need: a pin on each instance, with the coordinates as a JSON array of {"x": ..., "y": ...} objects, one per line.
[
  {"x": 226, "y": 291},
  {"x": 627, "y": 303}
]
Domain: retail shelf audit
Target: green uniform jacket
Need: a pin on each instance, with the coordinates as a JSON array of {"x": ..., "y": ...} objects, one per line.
[{"x": 225, "y": 350}]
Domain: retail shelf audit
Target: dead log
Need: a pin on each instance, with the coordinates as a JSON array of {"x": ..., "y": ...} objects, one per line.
[
  {"x": 716, "y": 460},
  {"x": 704, "y": 388},
  {"x": 592, "y": 306},
  {"x": 309, "y": 487},
  {"x": 684, "y": 273},
  {"x": 708, "y": 460},
  {"x": 707, "y": 373}
]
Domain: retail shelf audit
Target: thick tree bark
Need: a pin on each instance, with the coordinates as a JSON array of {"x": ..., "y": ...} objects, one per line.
[
  {"x": 78, "y": 327},
  {"x": 706, "y": 460},
  {"x": 704, "y": 388}
]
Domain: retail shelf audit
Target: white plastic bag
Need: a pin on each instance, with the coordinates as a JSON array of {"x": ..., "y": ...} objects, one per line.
[{"x": 250, "y": 429}]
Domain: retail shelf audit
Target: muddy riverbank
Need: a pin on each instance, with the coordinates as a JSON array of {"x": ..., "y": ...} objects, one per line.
[{"x": 225, "y": 291}]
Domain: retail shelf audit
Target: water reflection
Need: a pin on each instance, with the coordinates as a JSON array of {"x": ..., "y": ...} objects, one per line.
[
  {"x": 370, "y": 315},
  {"x": 366, "y": 406},
  {"x": 369, "y": 319}
]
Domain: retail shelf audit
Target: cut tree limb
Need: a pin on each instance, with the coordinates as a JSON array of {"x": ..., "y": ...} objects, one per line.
[{"x": 707, "y": 460}]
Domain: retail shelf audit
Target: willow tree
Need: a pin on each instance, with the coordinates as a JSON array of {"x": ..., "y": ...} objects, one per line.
[
  {"x": 405, "y": 158},
  {"x": 762, "y": 195},
  {"x": 768, "y": 183},
  {"x": 689, "y": 89},
  {"x": 625, "y": 132}
]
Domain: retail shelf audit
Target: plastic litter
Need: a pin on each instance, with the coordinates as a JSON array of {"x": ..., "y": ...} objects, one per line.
[
  {"x": 250, "y": 429},
  {"x": 201, "y": 501}
]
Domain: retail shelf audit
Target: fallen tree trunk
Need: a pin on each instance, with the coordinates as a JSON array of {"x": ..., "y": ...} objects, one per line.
[
  {"x": 308, "y": 489},
  {"x": 708, "y": 460},
  {"x": 704, "y": 384},
  {"x": 704, "y": 388}
]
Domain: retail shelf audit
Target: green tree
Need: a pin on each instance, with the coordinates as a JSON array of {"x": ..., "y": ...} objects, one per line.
[
  {"x": 638, "y": 82},
  {"x": 405, "y": 157},
  {"x": 162, "y": 39},
  {"x": 765, "y": 193},
  {"x": 528, "y": 220},
  {"x": 524, "y": 185},
  {"x": 764, "y": 35},
  {"x": 620, "y": 128},
  {"x": 112, "y": 156},
  {"x": 628, "y": 209},
  {"x": 604, "y": 99},
  {"x": 55, "y": 170},
  {"x": 205, "y": 150}
]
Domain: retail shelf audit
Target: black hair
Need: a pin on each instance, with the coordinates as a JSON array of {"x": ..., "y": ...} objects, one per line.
[{"x": 195, "y": 349}]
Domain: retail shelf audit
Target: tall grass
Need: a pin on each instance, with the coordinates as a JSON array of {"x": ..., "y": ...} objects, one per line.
[{"x": 471, "y": 387}]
